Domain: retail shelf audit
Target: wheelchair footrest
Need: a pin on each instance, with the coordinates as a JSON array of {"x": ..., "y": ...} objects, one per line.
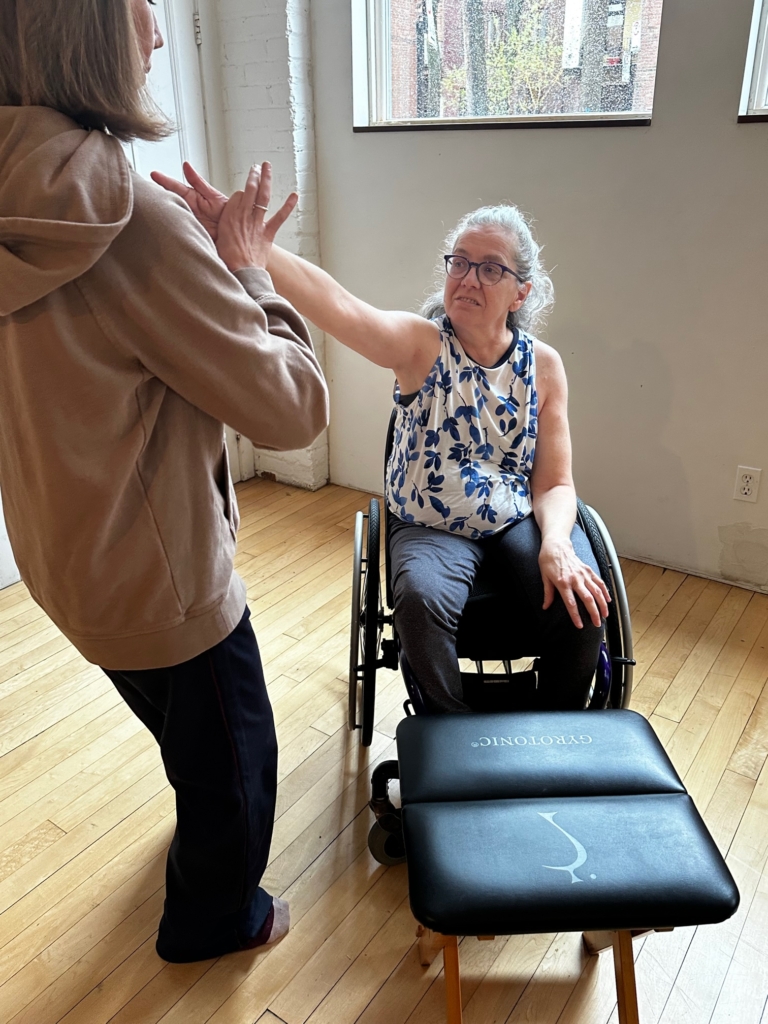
[{"x": 499, "y": 691}]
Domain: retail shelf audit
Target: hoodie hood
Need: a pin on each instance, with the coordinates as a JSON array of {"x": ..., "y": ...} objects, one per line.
[{"x": 65, "y": 195}]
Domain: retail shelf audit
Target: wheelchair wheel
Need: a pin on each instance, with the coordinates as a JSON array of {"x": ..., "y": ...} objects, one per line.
[
  {"x": 366, "y": 623},
  {"x": 385, "y": 840},
  {"x": 618, "y": 627}
]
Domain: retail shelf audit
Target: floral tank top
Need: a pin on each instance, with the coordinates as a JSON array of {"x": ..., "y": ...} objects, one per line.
[{"x": 463, "y": 448}]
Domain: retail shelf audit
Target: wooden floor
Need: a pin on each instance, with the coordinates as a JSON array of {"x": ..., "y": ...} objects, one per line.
[{"x": 86, "y": 816}]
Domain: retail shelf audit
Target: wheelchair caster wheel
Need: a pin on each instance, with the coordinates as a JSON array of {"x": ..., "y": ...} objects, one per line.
[{"x": 385, "y": 840}]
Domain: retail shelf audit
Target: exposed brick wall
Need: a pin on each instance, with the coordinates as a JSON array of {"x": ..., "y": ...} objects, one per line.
[{"x": 268, "y": 107}]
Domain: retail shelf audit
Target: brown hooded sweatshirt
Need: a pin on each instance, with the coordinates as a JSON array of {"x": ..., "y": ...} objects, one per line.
[{"x": 125, "y": 343}]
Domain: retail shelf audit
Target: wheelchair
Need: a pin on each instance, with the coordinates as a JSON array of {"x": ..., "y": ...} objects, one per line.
[{"x": 482, "y": 638}]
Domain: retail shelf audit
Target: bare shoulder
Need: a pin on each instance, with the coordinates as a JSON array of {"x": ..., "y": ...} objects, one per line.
[{"x": 550, "y": 373}]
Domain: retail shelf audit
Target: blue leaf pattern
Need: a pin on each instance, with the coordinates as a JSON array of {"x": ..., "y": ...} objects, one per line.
[{"x": 468, "y": 436}]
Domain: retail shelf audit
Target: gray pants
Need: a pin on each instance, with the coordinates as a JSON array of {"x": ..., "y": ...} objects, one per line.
[{"x": 432, "y": 575}]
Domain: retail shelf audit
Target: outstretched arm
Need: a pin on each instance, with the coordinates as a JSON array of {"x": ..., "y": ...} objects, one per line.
[
  {"x": 400, "y": 341},
  {"x": 403, "y": 342},
  {"x": 554, "y": 498}
]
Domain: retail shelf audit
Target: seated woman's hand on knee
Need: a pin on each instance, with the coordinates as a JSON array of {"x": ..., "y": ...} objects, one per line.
[{"x": 563, "y": 572}]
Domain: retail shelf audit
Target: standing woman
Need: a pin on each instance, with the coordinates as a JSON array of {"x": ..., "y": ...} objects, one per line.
[{"x": 125, "y": 343}]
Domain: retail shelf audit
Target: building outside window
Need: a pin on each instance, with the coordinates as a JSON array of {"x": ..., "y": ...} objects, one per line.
[
  {"x": 435, "y": 61},
  {"x": 754, "y": 96}
]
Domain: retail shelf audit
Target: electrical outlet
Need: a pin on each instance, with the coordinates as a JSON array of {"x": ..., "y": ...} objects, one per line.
[{"x": 747, "y": 483}]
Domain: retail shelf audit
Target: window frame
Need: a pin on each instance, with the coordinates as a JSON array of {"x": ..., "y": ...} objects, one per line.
[
  {"x": 756, "y": 69},
  {"x": 371, "y": 73}
]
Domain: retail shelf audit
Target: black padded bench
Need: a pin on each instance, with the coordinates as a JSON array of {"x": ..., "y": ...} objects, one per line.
[{"x": 547, "y": 822}]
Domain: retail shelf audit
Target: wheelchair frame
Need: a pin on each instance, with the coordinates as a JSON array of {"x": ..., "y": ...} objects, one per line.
[{"x": 370, "y": 650}]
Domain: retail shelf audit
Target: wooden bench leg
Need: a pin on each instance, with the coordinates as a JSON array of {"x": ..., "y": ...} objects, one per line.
[
  {"x": 624, "y": 965},
  {"x": 452, "y": 980},
  {"x": 430, "y": 944}
]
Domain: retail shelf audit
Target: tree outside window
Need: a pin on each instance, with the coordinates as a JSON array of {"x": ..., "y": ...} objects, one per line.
[{"x": 518, "y": 59}]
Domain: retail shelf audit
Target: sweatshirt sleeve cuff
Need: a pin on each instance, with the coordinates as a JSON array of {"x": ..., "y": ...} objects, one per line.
[{"x": 256, "y": 282}]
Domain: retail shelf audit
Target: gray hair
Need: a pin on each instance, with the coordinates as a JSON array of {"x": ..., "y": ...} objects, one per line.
[{"x": 527, "y": 258}]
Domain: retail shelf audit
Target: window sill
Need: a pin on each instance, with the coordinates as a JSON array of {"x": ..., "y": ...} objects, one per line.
[
  {"x": 462, "y": 124},
  {"x": 752, "y": 118}
]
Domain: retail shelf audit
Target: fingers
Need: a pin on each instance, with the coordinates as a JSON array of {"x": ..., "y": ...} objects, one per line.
[
  {"x": 275, "y": 223},
  {"x": 264, "y": 190},
  {"x": 199, "y": 184},
  {"x": 587, "y": 588},
  {"x": 572, "y": 607},
  {"x": 170, "y": 184},
  {"x": 252, "y": 184}
]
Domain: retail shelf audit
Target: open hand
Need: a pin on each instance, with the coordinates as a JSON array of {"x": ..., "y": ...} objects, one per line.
[
  {"x": 206, "y": 202},
  {"x": 245, "y": 236},
  {"x": 563, "y": 571}
]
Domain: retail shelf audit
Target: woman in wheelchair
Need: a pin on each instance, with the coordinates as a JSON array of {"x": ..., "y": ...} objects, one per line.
[{"x": 480, "y": 466}]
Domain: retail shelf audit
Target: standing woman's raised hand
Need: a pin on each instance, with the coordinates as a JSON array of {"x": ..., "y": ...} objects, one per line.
[{"x": 245, "y": 236}]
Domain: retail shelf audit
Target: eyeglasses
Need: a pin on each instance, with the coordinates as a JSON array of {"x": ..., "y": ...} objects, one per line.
[{"x": 458, "y": 267}]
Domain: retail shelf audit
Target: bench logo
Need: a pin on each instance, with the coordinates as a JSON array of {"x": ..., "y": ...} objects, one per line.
[
  {"x": 581, "y": 853},
  {"x": 531, "y": 741}
]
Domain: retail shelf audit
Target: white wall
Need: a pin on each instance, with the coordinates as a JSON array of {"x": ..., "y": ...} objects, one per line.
[
  {"x": 265, "y": 69},
  {"x": 8, "y": 572},
  {"x": 659, "y": 237}
]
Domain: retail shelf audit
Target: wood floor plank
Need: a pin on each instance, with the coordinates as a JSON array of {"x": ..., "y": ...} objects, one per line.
[
  {"x": 654, "y": 602},
  {"x": 553, "y": 982},
  {"x": 28, "y": 847},
  {"x": 630, "y": 568},
  {"x": 58, "y": 667},
  {"x": 92, "y": 691},
  {"x": 33, "y": 900},
  {"x": 656, "y": 636},
  {"x": 642, "y": 584},
  {"x": 403, "y": 990},
  {"x": 124, "y": 965},
  {"x": 161, "y": 993},
  {"x": 703, "y": 972},
  {"x": 507, "y": 978},
  {"x": 64, "y": 739},
  {"x": 317, "y": 977},
  {"x": 742, "y": 999},
  {"x": 285, "y": 556},
  {"x": 287, "y": 865},
  {"x": 241, "y": 988},
  {"x": 654, "y": 680},
  {"x": 45, "y": 946},
  {"x": 15, "y": 617},
  {"x": 28, "y": 805},
  {"x": 32, "y": 651},
  {"x": 713, "y": 756},
  {"x": 688, "y": 680},
  {"x": 72, "y": 845},
  {"x": 325, "y": 791},
  {"x": 89, "y": 803},
  {"x": 50, "y": 985},
  {"x": 727, "y": 807}
]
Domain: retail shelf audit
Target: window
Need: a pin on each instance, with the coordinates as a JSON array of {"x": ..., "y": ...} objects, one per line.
[
  {"x": 176, "y": 87},
  {"x": 452, "y": 63},
  {"x": 754, "y": 95}
]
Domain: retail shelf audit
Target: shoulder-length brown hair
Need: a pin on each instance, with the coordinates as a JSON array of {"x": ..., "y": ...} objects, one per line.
[{"x": 80, "y": 57}]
